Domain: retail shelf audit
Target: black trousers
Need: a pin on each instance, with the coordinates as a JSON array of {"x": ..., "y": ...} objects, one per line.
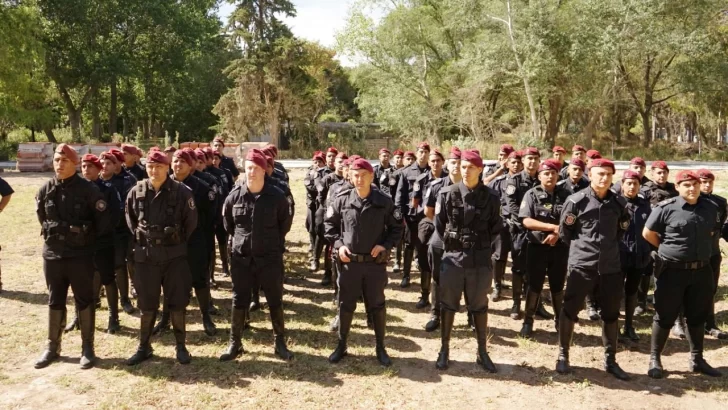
[
  {"x": 198, "y": 257},
  {"x": 248, "y": 273},
  {"x": 435, "y": 256},
  {"x": 476, "y": 283},
  {"x": 424, "y": 233},
  {"x": 581, "y": 282},
  {"x": 78, "y": 273},
  {"x": 547, "y": 260},
  {"x": 122, "y": 250},
  {"x": 715, "y": 262},
  {"x": 688, "y": 290},
  {"x": 520, "y": 258},
  {"x": 104, "y": 263},
  {"x": 173, "y": 276},
  {"x": 632, "y": 277},
  {"x": 362, "y": 278},
  {"x": 501, "y": 245}
]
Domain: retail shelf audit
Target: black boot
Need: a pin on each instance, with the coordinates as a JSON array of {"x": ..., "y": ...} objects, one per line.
[
  {"x": 398, "y": 258},
  {"x": 425, "y": 282},
  {"x": 73, "y": 324},
  {"x": 642, "y": 290},
  {"x": 254, "y": 299},
  {"x": 481, "y": 329},
  {"x": 326, "y": 280},
  {"x": 380, "y": 325},
  {"x": 695, "y": 337},
  {"x": 112, "y": 298},
  {"x": 499, "y": 270},
  {"x": 144, "y": 351},
  {"x": 203, "y": 300},
  {"x": 424, "y": 301},
  {"x": 224, "y": 258},
  {"x": 678, "y": 330},
  {"x": 628, "y": 332},
  {"x": 443, "y": 358},
  {"x": 434, "y": 322},
  {"x": 566, "y": 331},
  {"x": 657, "y": 344},
  {"x": 122, "y": 282},
  {"x": 235, "y": 346},
  {"x": 532, "y": 300},
  {"x": 407, "y": 266},
  {"x": 163, "y": 323},
  {"x": 345, "y": 319},
  {"x": 557, "y": 298},
  {"x": 87, "y": 320},
  {"x": 276, "y": 317},
  {"x": 180, "y": 336},
  {"x": 610, "y": 332},
  {"x": 56, "y": 323},
  {"x": 541, "y": 310},
  {"x": 517, "y": 289}
]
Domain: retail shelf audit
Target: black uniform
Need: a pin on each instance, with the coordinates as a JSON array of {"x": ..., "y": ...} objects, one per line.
[
  {"x": 634, "y": 254},
  {"x": 318, "y": 220},
  {"x": 425, "y": 228},
  {"x": 322, "y": 189},
  {"x": 394, "y": 174},
  {"x": 72, "y": 213},
  {"x": 684, "y": 274},
  {"x": 593, "y": 229},
  {"x": 381, "y": 176},
  {"x": 309, "y": 183},
  {"x": 572, "y": 187},
  {"x": 137, "y": 171},
  {"x": 5, "y": 190},
  {"x": 544, "y": 206},
  {"x": 360, "y": 224},
  {"x": 502, "y": 243},
  {"x": 123, "y": 182},
  {"x": 104, "y": 258},
  {"x": 467, "y": 220},
  {"x": 220, "y": 233},
  {"x": 715, "y": 261},
  {"x": 280, "y": 172},
  {"x": 402, "y": 201},
  {"x": 221, "y": 193}
]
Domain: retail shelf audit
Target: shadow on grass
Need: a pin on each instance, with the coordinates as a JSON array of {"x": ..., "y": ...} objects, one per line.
[{"x": 26, "y": 297}]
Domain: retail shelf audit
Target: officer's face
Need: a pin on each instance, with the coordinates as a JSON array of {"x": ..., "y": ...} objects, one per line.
[
  {"x": 453, "y": 166},
  {"x": 689, "y": 190},
  {"x": 601, "y": 178},
  {"x": 408, "y": 161},
  {"x": 436, "y": 163},
  {"x": 129, "y": 158},
  {"x": 89, "y": 171},
  {"x": 254, "y": 174},
  {"x": 513, "y": 165},
  {"x": 330, "y": 157},
  {"x": 502, "y": 156},
  {"x": 531, "y": 162},
  {"x": 361, "y": 178},
  {"x": 217, "y": 145},
  {"x": 559, "y": 156},
  {"x": 63, "y": 166},
  {"x": 200, "y": 165},
  {"x": 548, "y": 178},
  {"x": 640, "y": 169},
  {"x": 181, "y": 168},
  {"x": 157, "y": 172},
  {"x": 268, "y": 169},
  {"x": 422, "y": 155},
  {"x": 398, "y": 161},
  {"x": 384, "y": 158},
  {"x": 339, "y": 164},
  {"x": 706, "y": 185},
  {"x": 578, "y": 155},
  {"x": 318, "y": 163},
  {"x": 470, "y": 173},
  {"x": 660, "y": 175},
  {"x": 108, "y": 168},
  {"x": 630, "y": 187},
  {"x": 575, "y": 172}
]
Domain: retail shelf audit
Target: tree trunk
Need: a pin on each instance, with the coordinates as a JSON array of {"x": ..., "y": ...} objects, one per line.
[
  {"x": 32, "y": 134},
  {"x": 49, "y": 134},
  {"x": 113, "y": 109},
  {"x": 552, "y": 124},
  {"x": 591, "y": 129},
  {"x": 646, "y": 127},
  {"x": 74, "y": 116},
  {"x": 96, "y": 121}
]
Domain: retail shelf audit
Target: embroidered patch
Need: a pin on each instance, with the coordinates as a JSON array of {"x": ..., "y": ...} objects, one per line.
[
  {"x": 511, "y": 189},
  {"x": 397, "y": 214},
  {"x": 625, "y": 224},
  {"x": 548, "y": 206},
  {"x": 392, "y": 181},
  {"x": 330, "y": 212},
  {"x": 417, "y": 186},
  {"x": 191, "y": 203},
  {"x": 437, "y": 208},
  {"x": 211, "y": 195},
  {"x": 570, "y": 219},
  {"x": 101, "y": 205}
]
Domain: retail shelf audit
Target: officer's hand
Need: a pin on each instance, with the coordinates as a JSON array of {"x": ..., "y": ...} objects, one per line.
[
  {"x": 344, "y": 253},
  {"x": 377, "y": 250},
  {"x": 551, "y": 239},
  {"x": 556, "y": 229}
]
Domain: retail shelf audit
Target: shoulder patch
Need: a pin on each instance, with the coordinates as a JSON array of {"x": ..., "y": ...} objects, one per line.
[
  {"x": 511, "y": 190},
  {"x": 562, "y": 182},
  {"x": 211, "y": 195},
  {"x": 191, "y": 203},
  {"x": 570, "y": 219},
  {"x": 101, "y": 205},
  {"x": 397, "y": 213},
  {"x": 437, "y": 208},
  {"x": 501, "y": 177},
  {"x": 624, "y": 224},
  {"x": 667, "y": 201},
  {"x": 576, "y": 198}
]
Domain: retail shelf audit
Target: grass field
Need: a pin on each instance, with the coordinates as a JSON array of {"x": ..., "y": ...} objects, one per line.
[{"x": 260, "y": 380}]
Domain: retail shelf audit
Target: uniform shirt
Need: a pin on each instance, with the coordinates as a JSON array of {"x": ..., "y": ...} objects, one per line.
[
  {"x": 499, "y": 186},
  {"x": 516, "y": 188},
  {"x": 123, "y": 182},
  {"x": 310, "y": 184},
  {"x": 206, "y": 202},
  {"x": 283, "y": 186},
  {"x": 257, "y": 222},
  {"x": 593, "y": 228},
  {"x": 686, "y": 231},
  {"x": 222, "y": 179},
  {"x": 5, "y": 188},
  {"x": 362, "y": 223},
  {"x": 545, "y": 207},
  {"x": 405, "y": 186},
  {"x": 229, "y": 164},
  {"x": 572, "y": 187},
  {"x": 214, "y": 183},
  {"x": 656, "y": 194},
  {"x": 634, "y": 248},
  {"x": 230, "y": 178},
  {"x": 722, "y": 205},
  {"x": 115, "y": 210},
  {"x": 379, "y": 175},
  {"x": 137, "y": 171},
  {"x": 73, "y": 213},
  {"x": 280, "y": 172},
  {"x": 419, "y": 190},
  {"x": 430, "y": 200},
  {"x": 391, "y": 176},
  {"x": 322, "y": 188},
  {"x": 459, "y": 209}
]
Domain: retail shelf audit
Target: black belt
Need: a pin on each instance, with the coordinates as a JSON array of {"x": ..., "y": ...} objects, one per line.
[
  {"x": 686, "y": 265},
  {"x": 361, "y": 258}
]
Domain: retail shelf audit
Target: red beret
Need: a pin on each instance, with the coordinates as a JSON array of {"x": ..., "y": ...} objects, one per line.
[
  {"x": 579, "y": 163},
  {"x": 318, "y": 156},
  {"x": 438, "y": 153},
  {"x": 200, "y": 155},
  {"x": 155, "y": 156},
  {"x": 705, "y": 174},
  {"x": 559, "y": 148},
  {"x": 187, "y": 155},
  {"x": 477, "y": 151},
  {"x": 549, "y": 165},
  {"x": 628, "y": 174},
  {"x": 686, "y": 175},
  {"x": 257, "y": 157},
  {"x": 332, "y": 149},
  {"x": 593, "y": 154},
  {"x": 576, "y": 148},
  {"x": 69, "y": 152},
  {"x": 342, "y": 154},
  {"x": 506, "y": 149},
  {"x": 660, "y": 165},
  {"x": 270, "y": 161},
  {"x": 515, "y": 155},
  {"x": 398, "y": 152},
  {"x": 531, "y": 151},
  {"x": 424, "y": 146},
  {"x": 455, "y": 153},
  {"x": 170, "y": 149},
  {"x": 129, "y": 149},
  {"x": 273, "y": 150},
  {"x": 93, "y": 159},
  {"x": 602, "y": 163},
  {"x": 219, "y": 139},
  {"x": 361, "y": 163},
  {"x": 353, "y": 157},
  {"x": 208, "y": 152},
  {"x": 107, "y": 155},
  {"x": 472, "y": 157},
  {"x": 118, "y": 154},
  {"x": 385, "y": 151},
  {"x": 409, "y": 154},
  {"x": 638, "y": 161}
]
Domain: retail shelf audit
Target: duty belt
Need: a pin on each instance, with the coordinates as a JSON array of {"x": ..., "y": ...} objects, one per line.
[
  {"x": 686, "y": 265},
  {"x": 356, "y": 257}
]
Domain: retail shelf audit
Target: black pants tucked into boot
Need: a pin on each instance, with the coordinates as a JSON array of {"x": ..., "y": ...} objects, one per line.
[
  {"x": 163, "y": 323},
  {"x": 144, "y": 351},
  {"x": 180, "y": 335},
  {"x": 112, "y": 298},
  {"x": 657, "y": 344},
  {"x": 87, "y": 320},
  {"x": 566, "y": 331},
  {"x": 380, "y": 324},
  {"x": 276, "y": 317},
  {"x": 122, "y": 282},
  {"x": 557, "y": 299},
  {"x": 695, "y": 336},
  {"x": 610, "y": 332},
  {"x": 531, "y": 305},
  {"x": 235, "y": 346},
  {"x": 409, "y": 254},
  {"x": 345, "y": 319},
  {"x": 480, "y": 320},
  {"x": 517, "y": 289},
  {"x": 447, "y": 317},
  {"x": 499, "y": 270},
  {"x": 203, "y": 299},
  {"x": 56, "y": 323},
  {"x": 630, "y": 304}
]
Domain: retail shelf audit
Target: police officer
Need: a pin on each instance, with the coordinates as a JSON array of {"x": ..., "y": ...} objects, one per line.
[
  {"x": 380, "y": 174},
  {"x": 394, "y": 173},
  {"x": 330, "y": 167},
  {"x": 500, "y": 167},
  {"x": 387, "y": 181},
  {"x": 634, "y": 250},
  {"x": 363, "y": 225},
  {"x": 547, "y": 254},
  {"x": 591, "y": 155},
  {"x": 592, "y": 307},
  {"x": 575, "y": 181},
  {"x": 131, "y": 157},
  {"x": 435, "y": 246},
  {"x": 592, "y": 223},
  {"x": 215, "y": 180},
  {"x": 577, "y": 152},
  {"x": 162, "y": 215},
  {"x": 707, "y": 180},
  {"x": 6, "y": 192},
  {"x": 322, "y": 188},
  {"x": 639, "y": 166},
  {"x": 256, "y": 215},
  {"x": 559, "y": 155},
  {"x": 467, "y": 217},
  {"x": 278, "y": 170},
  {"x": 72, "y": 213},
  {"x": 218, "y": 143},
  {"x": 220, "y": 233},
  {"x": 683, "y": 229},
  {"x": 197, "y": 257},
  {"x": 403, "y": 201},
  {"x": 311, "y": 204},
  {"x": 169, "y": 152}
]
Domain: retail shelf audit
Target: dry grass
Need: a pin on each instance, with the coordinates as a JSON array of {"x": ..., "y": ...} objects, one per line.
[{"x": 260, "y": 380}]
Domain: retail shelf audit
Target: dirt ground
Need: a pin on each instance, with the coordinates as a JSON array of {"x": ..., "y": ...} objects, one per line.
[{"x": 259, "y": 380}]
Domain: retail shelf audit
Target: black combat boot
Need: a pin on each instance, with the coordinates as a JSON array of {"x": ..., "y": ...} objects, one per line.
[
  {"x": 326, "y": 280},
  {"x": 223, "y": 246},
  {"x": 695, "y": 337},
  {"x": 532, "y": 300},
  {"x": 541, "y": 310},
  {"x": 203, "y": 300},
  {"x": 481, "y": 329},
  {"x": 255, "y": 299},
  {"x": 443, "y": 358},
  {"x": 642, "y": 290},
  {"x": 144, "y": 351},
  {"x": 407, "y": 266},
  {"x": 122, "y": 282},
  {"x": 180, "y": 335},
  {"x": 112, "y": 298},
  {"x": 56, "y": 323},
  {"x": 557, "y": 298},
  {"x": 281, "y": 350},
  {"x": 499, "y": 270},
  {"x": 163, "y": 323},
  {"x": 658, "y": 341},
  {"x": 235, "y": 346},
  {"x": 425, "y": 286},
  {"x": 628, "y": 332},
  {"x": 678, "y": 330},
  {"x": 566, "y": 331},
  {"x": 72, "y": 324},
  {"x": 610, "y": 333},
  {"x": 517, "y": 289},
  {"x": 397, "y": 258},
  {"x": 434, "y": 322},
  {"x": 380, "y": 326},
  {"x": 87, "y": 320},
  {"x": 345, "y": 319},
  {"x": 424, "y": 301}
]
